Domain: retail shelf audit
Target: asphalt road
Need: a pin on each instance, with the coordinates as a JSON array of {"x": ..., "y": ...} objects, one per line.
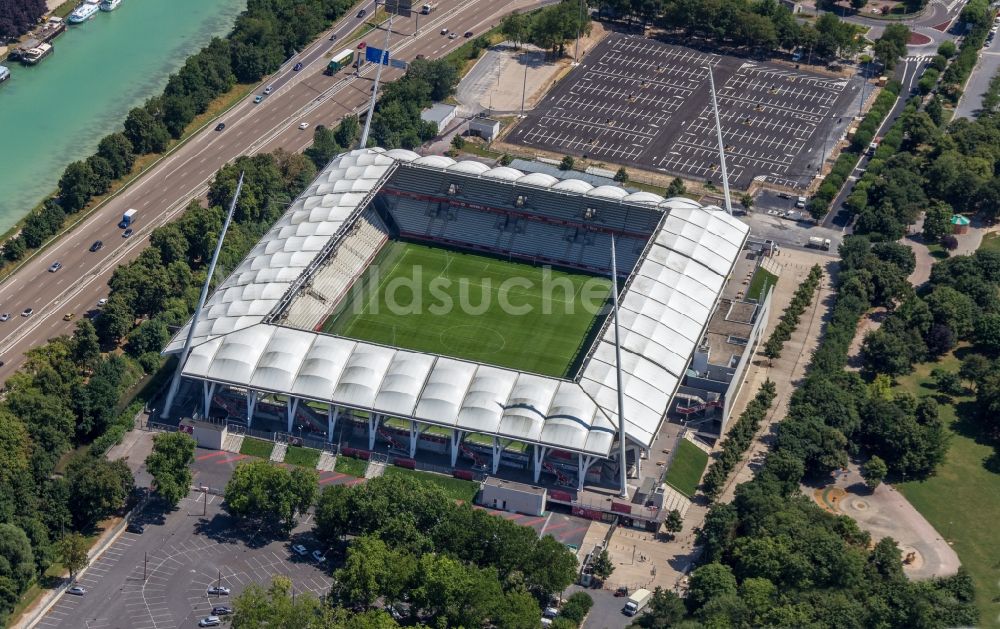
[
  {"x": 162, "y": 193},
  {"x": 908, "y": 73},
  {"x": 986, "y": 68}
]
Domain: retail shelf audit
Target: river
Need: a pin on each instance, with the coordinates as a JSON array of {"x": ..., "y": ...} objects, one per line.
[{"x": 56, "y": 112}]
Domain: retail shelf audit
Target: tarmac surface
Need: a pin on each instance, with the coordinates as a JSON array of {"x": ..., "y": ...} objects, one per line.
[{"x": 643, "y": 103}]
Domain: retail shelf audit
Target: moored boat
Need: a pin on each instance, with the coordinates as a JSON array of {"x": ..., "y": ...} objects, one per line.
[
  {"x": 84, "y": 11},
  {"x": 31, "y": 56},
  {"x": 110, "y": 5},
  {"x": 4, "y": 73}
]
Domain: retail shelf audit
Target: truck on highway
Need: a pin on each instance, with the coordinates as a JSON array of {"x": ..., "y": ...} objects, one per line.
[
  {"x": 815, "y": 242},
  {"x": 636, "y": 601},
  {"x": 342, "y": 60},
  {"x": 127, "y": 218},
  {"x": 427, "y": 8}
]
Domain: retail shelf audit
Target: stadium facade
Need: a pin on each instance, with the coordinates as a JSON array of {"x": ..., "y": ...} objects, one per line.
[{"x": 258, "y": 336}]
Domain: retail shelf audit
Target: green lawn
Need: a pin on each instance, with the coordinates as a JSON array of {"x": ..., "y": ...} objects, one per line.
[
  {"x": 686, "y": 468},
  {"x": 256, "y": 447},
  {"x": 761, "y": 281},
  {"x": 350, "y": 465},
  {"x": 991, "y": 242},
  {"x": 303, "y": 457},
  {"x": 456, "y": 488},
  {"x": 475, "y": 307},
  {"x": 962, "y": 501}
]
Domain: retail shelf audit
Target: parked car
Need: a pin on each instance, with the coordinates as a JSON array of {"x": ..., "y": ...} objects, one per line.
[
  {"x": 220, "y": 126},
  {"x": 268, "y": 90},
  {"x": 27, "y": 312},
  {"x": 209, "y": 621},
  {"x": 257, "y": 99},
  {"x": 221, "y": 610},
  {"x": 318, "y": 556},
  {"x": 452, "y": 35},
  {"x": 300, "y": 550},
  {"x": 128, "y": 233},
  {"x": 218, "y": 590},
  {"x": 444, "y": 31},
  {"x": 68, "y": 316},
  {"x": 297, "y": 67},
  {"x": 77, "y": 590},
  {"x": 101, "y": 302},
  {"x": 4, "y": 316},
  {"x": 55, "y": 267},
  {"x": 135, "y": 527},
  {"x": 303, "y": 125},
  {"x": 468, "y": 34},
  {"x": 97, "y": 245}
]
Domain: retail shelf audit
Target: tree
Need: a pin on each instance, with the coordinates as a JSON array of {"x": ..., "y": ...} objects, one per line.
[
  {"x": 952, "y": 308},
  {"x": 365, "y": 572},
  {"x": 169, "y": 463},
  {"x": 117, "y": 150},
  {"x": 567, "y": 163},
  {"x": 676, "y": 188},
  {"x": 17, "y": 17},
  {"x": 987, "y": 333},
  {"x": 892, "y": 45},
  {"x": 602, "y": 566},
  {"x": 86, "y": 346},
  {"x": 98, "y": 488},
  {"x": 73, "y": 550},
  {"x": 516, "y": 27},
  {"x": 458, "y": 142},
  {"x": 747, "y": 202},
  {"x": 76, "y": 186},
  {"x": 975, "y": 367},
  {"x": 116, "y": 319},
  {"x": 150, "y": 336},
  {"x": 874, "y": 472},
  {"x": 622, "y": 175},
  {"x": 947, "y": 382},
  {"x": 710, "y": 581},
  {"x": 949, "y": 242},
  {"x": 147, "y": 134},
  {"x": 674, "y": 523},
  {"x": 265, "y": 494},
  {"x": 576, "y": 607},
  {"x": 279, "y": 607},
  {"x": 937, "y": 222},
  {"x": 665, "y": 609},
  {"x": 17, "y": 561}
]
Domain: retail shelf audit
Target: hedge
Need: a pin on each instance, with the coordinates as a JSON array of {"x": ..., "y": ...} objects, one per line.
[
  {"x": 790, "y": 317},
  {"x": 738, "y": 439}
]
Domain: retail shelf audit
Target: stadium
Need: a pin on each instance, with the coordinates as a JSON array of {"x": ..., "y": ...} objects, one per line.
[{"x": 449, "y": 309}]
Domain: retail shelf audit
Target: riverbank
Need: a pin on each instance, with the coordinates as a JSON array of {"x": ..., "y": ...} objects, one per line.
[{"x": 57, "y": 112}]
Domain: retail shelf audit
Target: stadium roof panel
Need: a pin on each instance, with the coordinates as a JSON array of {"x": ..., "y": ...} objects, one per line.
[{"x": 664, "y": 310}]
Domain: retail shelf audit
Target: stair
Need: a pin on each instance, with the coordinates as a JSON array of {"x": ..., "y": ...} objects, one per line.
[
  {"x": 327, "y": 461},
  {"x": 278, "y": 453},
  {"x": 376, "y": 466},
  {"x": 233, "y": 442}
]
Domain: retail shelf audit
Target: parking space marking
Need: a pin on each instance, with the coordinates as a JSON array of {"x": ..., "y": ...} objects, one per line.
[{"x": 642, "y": 102}]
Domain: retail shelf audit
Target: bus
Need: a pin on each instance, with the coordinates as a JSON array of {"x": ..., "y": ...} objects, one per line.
[{"x": 342, "y": 60}]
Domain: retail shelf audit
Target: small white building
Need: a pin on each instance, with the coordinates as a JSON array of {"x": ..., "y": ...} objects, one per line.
[
  {"x": 440, "y": 114},
  {"x": 486, "y": 128}
]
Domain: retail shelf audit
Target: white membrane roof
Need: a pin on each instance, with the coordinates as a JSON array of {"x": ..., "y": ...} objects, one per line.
[{"x": 663, "y": 314}]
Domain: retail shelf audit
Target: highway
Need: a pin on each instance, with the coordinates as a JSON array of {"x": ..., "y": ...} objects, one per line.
[{"x": 161, "y": 194}]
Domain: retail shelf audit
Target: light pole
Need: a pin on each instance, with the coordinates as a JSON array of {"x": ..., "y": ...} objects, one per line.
[{"x": 579, "y": 26}]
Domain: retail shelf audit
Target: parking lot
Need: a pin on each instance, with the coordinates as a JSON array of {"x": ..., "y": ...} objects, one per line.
[
  {"x": 643, "y": 103},
  {"x": 160, "y": 578}
]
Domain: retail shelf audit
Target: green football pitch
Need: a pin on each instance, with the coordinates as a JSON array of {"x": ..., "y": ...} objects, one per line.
[{"x": 474, "y": 307}]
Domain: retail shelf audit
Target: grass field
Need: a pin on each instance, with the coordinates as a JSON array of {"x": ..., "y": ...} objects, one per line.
[
  {"x": 761, "y": 281},
  {"x": 991, "y": 242},
  {"x": 962, "y": 501},
  {"x": 303, "y": 457},
  {"x": 686, "y": 468},
  {"x": 350, "y": 465},
  {"x": 256, "y": 447},
  {"x": 476, "y": 308},
  {"x": 456, "y": 488}
]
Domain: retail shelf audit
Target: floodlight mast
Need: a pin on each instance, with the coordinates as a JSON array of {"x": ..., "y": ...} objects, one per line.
[
  {"x": 176, "y": 381},
  {"x": 622, "y": 467},
  {"x": 722, "y": 149},
  {"x": 378, "y": 76}
]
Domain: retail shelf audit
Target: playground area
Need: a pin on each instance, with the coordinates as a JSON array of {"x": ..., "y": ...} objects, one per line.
[{"x": 884, "y": 512}]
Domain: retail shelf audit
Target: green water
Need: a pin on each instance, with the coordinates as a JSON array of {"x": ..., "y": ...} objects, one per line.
[{"x": 56, "y": 112}]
